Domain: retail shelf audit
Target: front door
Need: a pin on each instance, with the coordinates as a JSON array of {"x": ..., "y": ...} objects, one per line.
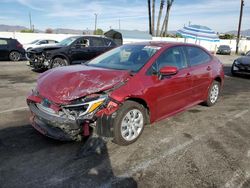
[
  {"x": 173, "y": 92},
  {"x": 80, "y": 51}
]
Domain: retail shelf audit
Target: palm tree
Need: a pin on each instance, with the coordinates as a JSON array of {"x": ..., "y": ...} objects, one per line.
[
  {"x": 153, "y": 18},
  {"x": 164, "y": 28},
  {"x": 159, "y": 17},
  {"x": 149, "y": 16}
]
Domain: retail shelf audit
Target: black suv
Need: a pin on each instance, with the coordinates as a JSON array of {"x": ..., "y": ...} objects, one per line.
[
  {"x": 11, "y": 49},
  {"x": 72, "y": 50}
]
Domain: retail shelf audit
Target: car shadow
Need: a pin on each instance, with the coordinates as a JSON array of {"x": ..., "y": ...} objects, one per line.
[
  {"x": 39, "y": 70},
  {"x": 29, "y": 159}
]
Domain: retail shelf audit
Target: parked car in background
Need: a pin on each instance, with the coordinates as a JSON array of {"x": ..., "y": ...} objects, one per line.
[
  {"x": 120, "y": 91},
  {"x": 39, "y": 43},
  {"x": 73, "y": 50},
  {"x": 224, "y": 49},
  {"x": 241, "y": 65},
  {"x": 11, "y": 49}
]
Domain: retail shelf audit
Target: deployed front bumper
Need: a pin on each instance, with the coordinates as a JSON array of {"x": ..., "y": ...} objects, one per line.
[
  {"x": 63, "y": 128},
  {"x": 55, "y": 127}
]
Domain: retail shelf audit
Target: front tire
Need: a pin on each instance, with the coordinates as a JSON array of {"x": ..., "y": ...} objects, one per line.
[
  {"x": 14, "y": 56},
  {"x": 129, "y": 123},
  {"x": 213, "y": 94},
  {"x": 59, "y": 62}
]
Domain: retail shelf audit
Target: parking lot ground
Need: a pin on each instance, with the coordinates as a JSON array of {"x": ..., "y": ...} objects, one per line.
[{"x": 202, "y": 147}]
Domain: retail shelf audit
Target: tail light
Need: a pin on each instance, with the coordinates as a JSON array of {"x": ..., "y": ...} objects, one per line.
[{"x": 19, "y": 45}]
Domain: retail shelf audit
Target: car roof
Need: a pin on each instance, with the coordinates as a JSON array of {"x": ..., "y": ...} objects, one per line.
[
  {"x": 7, "y": 38},
  {"x": 164, "y": 44}
]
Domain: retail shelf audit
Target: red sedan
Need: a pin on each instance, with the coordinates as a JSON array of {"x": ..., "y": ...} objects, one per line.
[{"x": 118, "y": 93}]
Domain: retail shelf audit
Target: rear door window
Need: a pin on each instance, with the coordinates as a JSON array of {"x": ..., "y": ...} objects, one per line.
[
  {"x": 197, "y": 56},
  {"x": 96, "y": 42}
]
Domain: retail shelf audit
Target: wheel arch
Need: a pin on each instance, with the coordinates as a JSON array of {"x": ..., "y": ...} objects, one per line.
[
  {"x": 218, "y": 79},
  {"x": 144, "y": 104}
]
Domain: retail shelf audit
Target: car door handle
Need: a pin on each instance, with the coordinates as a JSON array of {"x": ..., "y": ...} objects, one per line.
[
  {"x": 208, "y": 68},
  {"x": 188, "y": 75}
]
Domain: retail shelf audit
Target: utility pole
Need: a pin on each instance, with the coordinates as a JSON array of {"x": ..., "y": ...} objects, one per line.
[
  {"x": 30, "y": 21},
  {"x": 239, "y": 27},
  {"x": 119, "y": 24},
  {"x": 95, "y": 22}
]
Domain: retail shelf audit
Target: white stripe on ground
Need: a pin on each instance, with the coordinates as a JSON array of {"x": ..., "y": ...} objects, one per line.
[{"x": 13, "y": 109}]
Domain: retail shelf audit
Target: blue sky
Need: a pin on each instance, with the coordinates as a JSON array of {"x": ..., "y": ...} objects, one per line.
[{"x": 220, "y": 15}]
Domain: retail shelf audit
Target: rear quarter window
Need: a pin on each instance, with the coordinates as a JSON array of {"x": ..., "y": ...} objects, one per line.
[
  {"x": 197, "y": 56},
  {"x": 109, "y": 42},
  {"x": 3, "y": 42}
]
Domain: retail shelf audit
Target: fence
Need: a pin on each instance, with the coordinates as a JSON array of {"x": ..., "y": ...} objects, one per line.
[{"x": 23, "y": 38}]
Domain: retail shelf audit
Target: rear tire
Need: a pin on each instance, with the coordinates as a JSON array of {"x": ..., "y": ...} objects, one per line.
[
  {"x": 213, "y": 94},
  {"x": 14, "y": 56},
  {"x": 129, "y": 123},
  {"x": 59, "y": 62}
]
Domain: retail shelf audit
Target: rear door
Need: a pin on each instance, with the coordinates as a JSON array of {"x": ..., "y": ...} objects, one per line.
[
  {"x": 4, "y": 49},
  {"x": 97, "y": 46},
  {"x": 200, "y": 62}
]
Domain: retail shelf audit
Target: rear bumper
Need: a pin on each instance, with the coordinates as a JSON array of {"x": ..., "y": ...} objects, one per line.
[{"x": 54, "y": 127}]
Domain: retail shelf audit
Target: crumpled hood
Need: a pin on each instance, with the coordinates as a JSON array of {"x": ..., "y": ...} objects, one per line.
[
  {"x": 244, "y": 60},
  {"x": 64, "y": 84},
  {"x": 44, "y": 48}
]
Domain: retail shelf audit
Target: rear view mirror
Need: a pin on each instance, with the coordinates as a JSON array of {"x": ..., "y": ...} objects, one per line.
[{"x": 168, "y": 71}]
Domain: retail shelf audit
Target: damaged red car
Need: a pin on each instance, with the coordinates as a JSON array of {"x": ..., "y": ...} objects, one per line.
[{"x": 119, "y": 92}]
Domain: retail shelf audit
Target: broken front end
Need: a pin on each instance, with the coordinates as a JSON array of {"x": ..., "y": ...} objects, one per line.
[
  {"x": 93, "y": 113},
  {"x": 37, "y": 60}
]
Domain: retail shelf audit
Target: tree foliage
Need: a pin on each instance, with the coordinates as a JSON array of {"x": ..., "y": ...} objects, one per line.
[
  {"x": 98, "y": 32},
  {"x": 27, "y": 31},
  {"x": 227, "y": 36},
  {"x": 49, "y": 30}
]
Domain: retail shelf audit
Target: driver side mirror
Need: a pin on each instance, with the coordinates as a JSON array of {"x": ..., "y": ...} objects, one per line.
[{"x": 168, "y": 71}]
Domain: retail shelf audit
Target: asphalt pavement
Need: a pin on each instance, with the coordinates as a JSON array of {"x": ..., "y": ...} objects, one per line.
[{"x": 202, "y": 147}]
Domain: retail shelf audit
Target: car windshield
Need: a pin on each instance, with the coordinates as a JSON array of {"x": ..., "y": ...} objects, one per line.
[
  {"x": 33, "y": 42},
  {"x": 68, "y": 41},
  {"x": 248, "y": 53},
  {"x": 126, "y": 57}
]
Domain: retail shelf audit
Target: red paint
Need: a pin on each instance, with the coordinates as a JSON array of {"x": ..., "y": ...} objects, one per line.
[
  {"x": 168, "y": 70},
  {"x": 163, "y": 97},
  {"x": 86, "y": 129},
  {"x": 65, "y": 84}
]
